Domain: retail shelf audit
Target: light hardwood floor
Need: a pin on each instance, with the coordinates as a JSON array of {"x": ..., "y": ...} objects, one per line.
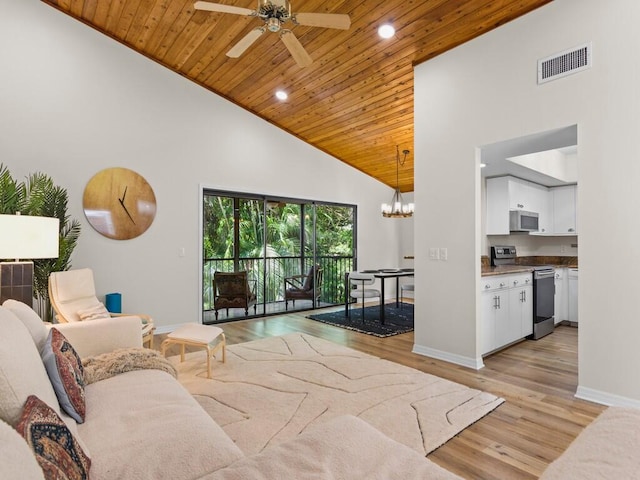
[{"x": 521, "y": 437}]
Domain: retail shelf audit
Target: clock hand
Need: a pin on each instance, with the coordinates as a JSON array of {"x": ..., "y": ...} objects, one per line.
[
  {"x": 126, "y": 211},
  {"x": 123, "y": 196}
]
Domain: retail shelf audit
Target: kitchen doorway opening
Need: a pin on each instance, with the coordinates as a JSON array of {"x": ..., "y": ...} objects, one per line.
[{"x": 533, "y": 176}]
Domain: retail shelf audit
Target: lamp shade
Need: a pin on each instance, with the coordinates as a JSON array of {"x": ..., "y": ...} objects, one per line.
[{"x": 28, "y": 237}]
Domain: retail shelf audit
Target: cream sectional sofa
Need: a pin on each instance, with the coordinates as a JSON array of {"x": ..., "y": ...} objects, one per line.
[{"x": 144, "y": 425}]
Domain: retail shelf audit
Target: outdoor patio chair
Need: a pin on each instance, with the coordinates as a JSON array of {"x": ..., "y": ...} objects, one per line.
[
  {"x": 231, "y": 290},
  {"x": 73, "y": 297},
  {"x": 303, "y": 287}
]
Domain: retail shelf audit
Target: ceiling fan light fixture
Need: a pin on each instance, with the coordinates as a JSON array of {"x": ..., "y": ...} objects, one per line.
[
  {"x": 281, "y": 95},
  {"x": 273, "y": 24},
  {"x": 275, "y": 14},
  {"x": 386, "y": 31}
]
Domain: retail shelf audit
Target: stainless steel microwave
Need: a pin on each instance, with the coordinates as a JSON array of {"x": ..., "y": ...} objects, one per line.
[{"x": 521, "y": 221}]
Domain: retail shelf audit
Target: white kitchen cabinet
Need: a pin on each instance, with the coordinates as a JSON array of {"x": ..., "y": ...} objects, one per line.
[
  {"x": 497, "y": 214},
  {"x": 488, "y": 321},
  {"x": 561, "y": 300},
  {"x": 510, "y": 193},
  {"x": 520, "y": 195},
  {"x": 573, "y": 295},
  {"x": 506, "y": 311},
  {"x": 540, "y": 203},
  {"x": 564, "y": 209},
  {"x": 520, "y": 311},
  {"x": 556, "y": 207},
  {"x": 495, "y": 309}
]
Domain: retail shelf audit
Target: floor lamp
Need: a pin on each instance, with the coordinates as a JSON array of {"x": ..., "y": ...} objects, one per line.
[{"x": 24, "y": 236}]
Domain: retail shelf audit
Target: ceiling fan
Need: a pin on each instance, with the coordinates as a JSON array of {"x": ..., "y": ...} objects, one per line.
[{"x": 275, "y": 14}]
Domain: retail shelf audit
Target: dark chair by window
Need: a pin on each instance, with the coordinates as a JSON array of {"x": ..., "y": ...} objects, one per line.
[
  {"x": 301, "y": 287},
  {"x": 231, "y": 290}
]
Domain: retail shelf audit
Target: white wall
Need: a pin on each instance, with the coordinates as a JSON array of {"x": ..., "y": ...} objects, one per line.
[
  {"x": 73, "y": 102},
  {"x": 485, "y": 91}
]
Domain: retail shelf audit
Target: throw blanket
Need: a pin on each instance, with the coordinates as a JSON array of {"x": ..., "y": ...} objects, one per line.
[{"x": 107, "y": 365}]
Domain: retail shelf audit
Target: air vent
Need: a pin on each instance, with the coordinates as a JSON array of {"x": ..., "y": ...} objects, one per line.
[{"x": 564, "y": 63}]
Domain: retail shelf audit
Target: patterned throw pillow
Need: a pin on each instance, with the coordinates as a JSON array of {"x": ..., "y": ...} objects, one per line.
[
  {"x": 66, "y": 374},
  {"x": 56, "y": 449}
]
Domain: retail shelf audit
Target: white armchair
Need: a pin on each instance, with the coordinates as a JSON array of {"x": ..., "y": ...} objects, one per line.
[{"x": 73, "y": 298}]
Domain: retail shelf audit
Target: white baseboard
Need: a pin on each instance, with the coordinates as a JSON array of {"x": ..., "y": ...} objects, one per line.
[
  {"x": 605, "y": 398},
  {"x": 469, "y": 362}
]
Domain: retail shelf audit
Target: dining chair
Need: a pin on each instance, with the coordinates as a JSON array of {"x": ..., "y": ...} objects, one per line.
[
  {"x": 409, "y": 287},
  {"x": 358, "y": 283}
]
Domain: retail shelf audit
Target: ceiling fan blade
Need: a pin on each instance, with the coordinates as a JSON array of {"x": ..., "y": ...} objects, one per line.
[
  {"x": 219, "y": 7},
  {"x": 245, "y": 42},
  {"x": 295, "y": 48},
  {"x": 326, "y": 20}
]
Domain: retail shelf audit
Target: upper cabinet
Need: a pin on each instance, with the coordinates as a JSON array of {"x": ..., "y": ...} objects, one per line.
[
  {"x": 564, "y": 210},
  {"x": 555, "y": 206},
  {"x": 510, "y": 193}
]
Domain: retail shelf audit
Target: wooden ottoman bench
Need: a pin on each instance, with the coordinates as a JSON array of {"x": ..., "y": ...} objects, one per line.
[{"x": 196, "y": 335}]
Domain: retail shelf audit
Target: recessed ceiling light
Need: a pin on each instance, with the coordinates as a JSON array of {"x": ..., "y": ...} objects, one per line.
[
  {"x": 386, "y": 31},
  {"x": 281, "y": 95},
  {"x": 482, "y": 165}
]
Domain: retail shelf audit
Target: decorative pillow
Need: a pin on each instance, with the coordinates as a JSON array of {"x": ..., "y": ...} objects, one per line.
[
  {"x": 66, "y": 374},
  {"x": 31, "y": 320},
  {"x": 22, "y": 372},
  {"x": 93, "y": 313},
  {"x": 55, "y": 448}
]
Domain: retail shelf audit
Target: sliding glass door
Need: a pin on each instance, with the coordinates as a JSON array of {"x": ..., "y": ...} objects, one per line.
[{"x": 274, "y": 239}]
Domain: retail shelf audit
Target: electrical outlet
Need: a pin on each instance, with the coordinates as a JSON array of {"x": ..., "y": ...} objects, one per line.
[
  {"x": 563, "y": 248},
  {"x": 443, "y": 254},
  {"x": 434, "y": 253}
]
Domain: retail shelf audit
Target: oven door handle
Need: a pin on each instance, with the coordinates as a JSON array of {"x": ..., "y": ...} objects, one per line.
[{"x": 539, "y": 275}]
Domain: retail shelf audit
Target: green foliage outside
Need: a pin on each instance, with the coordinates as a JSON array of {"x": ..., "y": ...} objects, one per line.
[
  {"x": 40, "y": 196},
  {"x": 288, "y": 251}
]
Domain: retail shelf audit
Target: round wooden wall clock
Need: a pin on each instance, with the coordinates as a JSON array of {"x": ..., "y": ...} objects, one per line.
[{"x": 119, "y": 203}]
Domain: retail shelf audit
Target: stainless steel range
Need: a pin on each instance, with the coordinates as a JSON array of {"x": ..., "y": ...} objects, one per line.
[{"x": 543, "y": 289}]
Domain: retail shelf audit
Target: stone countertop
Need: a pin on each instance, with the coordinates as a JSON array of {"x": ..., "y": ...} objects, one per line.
[
  {"x": 505, "y": 270},
  {"x": 488, "y": 271},
  {"x": 526, "y": 264}
]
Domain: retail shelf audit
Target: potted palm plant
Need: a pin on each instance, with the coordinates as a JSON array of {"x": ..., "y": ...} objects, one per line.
[{"x": 39, "y": 195}]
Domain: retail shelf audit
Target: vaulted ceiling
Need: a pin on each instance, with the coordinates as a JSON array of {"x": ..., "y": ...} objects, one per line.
[{"x": 355, "y": 101}]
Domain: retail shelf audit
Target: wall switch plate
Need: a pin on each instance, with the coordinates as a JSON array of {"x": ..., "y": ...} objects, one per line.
[
  {"x": 181, "y": 252},
  {"x": 434, "y": 253},
  {"x": 443, "y": 254}
]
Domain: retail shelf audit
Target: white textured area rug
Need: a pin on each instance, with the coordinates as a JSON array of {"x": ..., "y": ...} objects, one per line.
[{"x": 271, "y": 390}]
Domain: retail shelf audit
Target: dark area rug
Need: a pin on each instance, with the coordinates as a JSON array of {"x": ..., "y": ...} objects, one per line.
[{"x": 396, "y": 320}]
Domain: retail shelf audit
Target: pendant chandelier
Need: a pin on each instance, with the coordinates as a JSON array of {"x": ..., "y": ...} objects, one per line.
[{"x": 397, "y": 208}]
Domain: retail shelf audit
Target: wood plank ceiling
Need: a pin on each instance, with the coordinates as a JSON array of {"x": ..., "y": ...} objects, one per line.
[{"x": 355, "y": 102}]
